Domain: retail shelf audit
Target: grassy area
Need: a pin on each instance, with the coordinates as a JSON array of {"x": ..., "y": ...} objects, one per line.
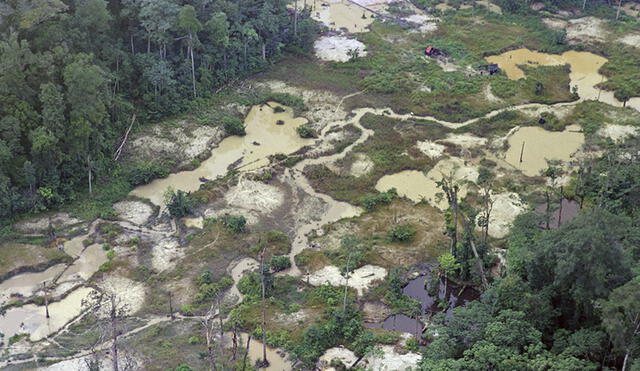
[
  {"x": 373, "y": 242},
  {"x": 395, "y": 73},
  {"x": 386, "y": 148},
  {"x": 17, "y": 258},
  {"x": 622, "y": 70}
]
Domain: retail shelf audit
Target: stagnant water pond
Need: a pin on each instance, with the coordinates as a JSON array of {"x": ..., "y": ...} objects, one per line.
[
  {"x": 560, "y": 214},
  {"x": 418, "y": 288},
  {"x": 584, "y": 73}
]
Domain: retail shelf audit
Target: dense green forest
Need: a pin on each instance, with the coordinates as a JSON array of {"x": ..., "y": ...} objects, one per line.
[
  {"x": 73, "y": 73},
  {"x": 569, "y": 300}
]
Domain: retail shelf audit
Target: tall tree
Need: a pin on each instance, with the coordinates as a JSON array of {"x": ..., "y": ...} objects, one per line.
[
  {"x": 188, "y": 22},
  {"x": 85, "y": 90},
  {"x": 621, "y": 319}
]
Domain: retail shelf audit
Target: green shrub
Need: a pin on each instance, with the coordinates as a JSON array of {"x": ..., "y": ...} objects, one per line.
[
  {"x": 106, "y": 246},
  {"x": 412, "y": 344},
  {"x": 372, "y": 200},
  {"x": 105, "y": 267},
  {"x": 279, "y": 263},
  {"x": 297, "y": 103},
  {"x": 111, "y": 254},
  {"x": 183, "y": 367},
  {"x": 236, "y": 224},
  {"x": 142, "y": 172},
  {"x": 179, "y": 203},
  {"x": 402, "y": 232},
  {"x": 186, "y": 309},
  {"x": 305, "y": 131},
  {"x": 233, "y": 126}
]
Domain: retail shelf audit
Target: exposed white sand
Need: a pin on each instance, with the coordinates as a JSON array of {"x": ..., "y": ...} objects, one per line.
[
  {"x": 390, "y": 359},
  {"x": 360, "y": 279},
  {"x": 336, "y": 48},
  {"x": 431, "y": 149},
  {"x": 362, "y": 165},
  {"x": 617, "y": 132},
  {"x": 136, "y": 212},
  {"x": 506, "y": 207},
  {"x": 466, "y": 141}
]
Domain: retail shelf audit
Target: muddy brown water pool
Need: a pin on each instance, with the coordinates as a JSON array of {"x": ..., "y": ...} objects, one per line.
[
  {"x": 418, "y": 289},
  {"x": 584, "y": 73},
  {"x": 263, "y": 138},
  {"x": 531, "y": 147}
]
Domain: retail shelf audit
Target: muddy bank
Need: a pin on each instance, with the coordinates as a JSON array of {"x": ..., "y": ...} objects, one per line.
[
  {"x": 418, "y": 186},
  {"x": 264, "y": 137},
  {"x": 584, "y": 73}
]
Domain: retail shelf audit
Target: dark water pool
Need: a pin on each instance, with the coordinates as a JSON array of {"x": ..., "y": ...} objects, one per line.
[
  {"x": 417, "y": 289},
  {"x": 569, "y": 209}
]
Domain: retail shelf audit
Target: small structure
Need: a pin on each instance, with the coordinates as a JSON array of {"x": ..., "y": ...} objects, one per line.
[{"x": 489, "y": 69}]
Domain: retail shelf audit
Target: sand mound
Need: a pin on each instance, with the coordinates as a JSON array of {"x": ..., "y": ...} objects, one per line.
[
  {"x": 431, "y": 149},
  {"x": 362, "y": 166},
  {"x": 360, "y": 279},
  {"x": 390, "y": 359},
  {"x": 506, "y": 207},
  {"x": 341, "y": 354},
  {"x": 183, "y": 143},
  {"x": 631, "y": 40},
  {"x": 41, "y": 224},
  {"x": 164, "y": 253},
  {"x": 336, "y": 48},
  {"x": 425, "y": 23},
  {"x": 131, "y": 294},
  {"x": 136, "y": 212},
  {"x": 466, "y": 141},
  {"x": 256, "y": 196},
  {"x": 555, "y": 23},
  {"x": 586, "y": 29},
  {"x": 617, "y": 132}
]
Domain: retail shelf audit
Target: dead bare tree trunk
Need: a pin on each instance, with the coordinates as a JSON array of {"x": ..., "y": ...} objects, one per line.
[
  {"x": 114, "y": 333},
  {"x": 171, "y": 306},
  {"x": 208, "y": 322},
  {"x": 295, "y": 18},
  {"x": 46, "y": 298},
  {"x": 221, "y": 328},
  {"x": 124, "y": 140},
  {"x": 485, "y": 284},
  {"x": 265, "y": 362},
  {"x": 548, "y": 211},
  {"x": 488, "y": 207},
  {"x": 90, "y": 175},
  {"x": 346, "y": 284},
  {"x": 234, "y": 349},
  {"x": 193, "y": 68},
  {"x": 618, "y": 12},
  {"x": 246, "y": 354}
]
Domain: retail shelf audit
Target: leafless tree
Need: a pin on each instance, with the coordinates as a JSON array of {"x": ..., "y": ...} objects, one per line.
[
  {"x": 114, "y": 310},
  {"x": 210, "y": 327}
]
